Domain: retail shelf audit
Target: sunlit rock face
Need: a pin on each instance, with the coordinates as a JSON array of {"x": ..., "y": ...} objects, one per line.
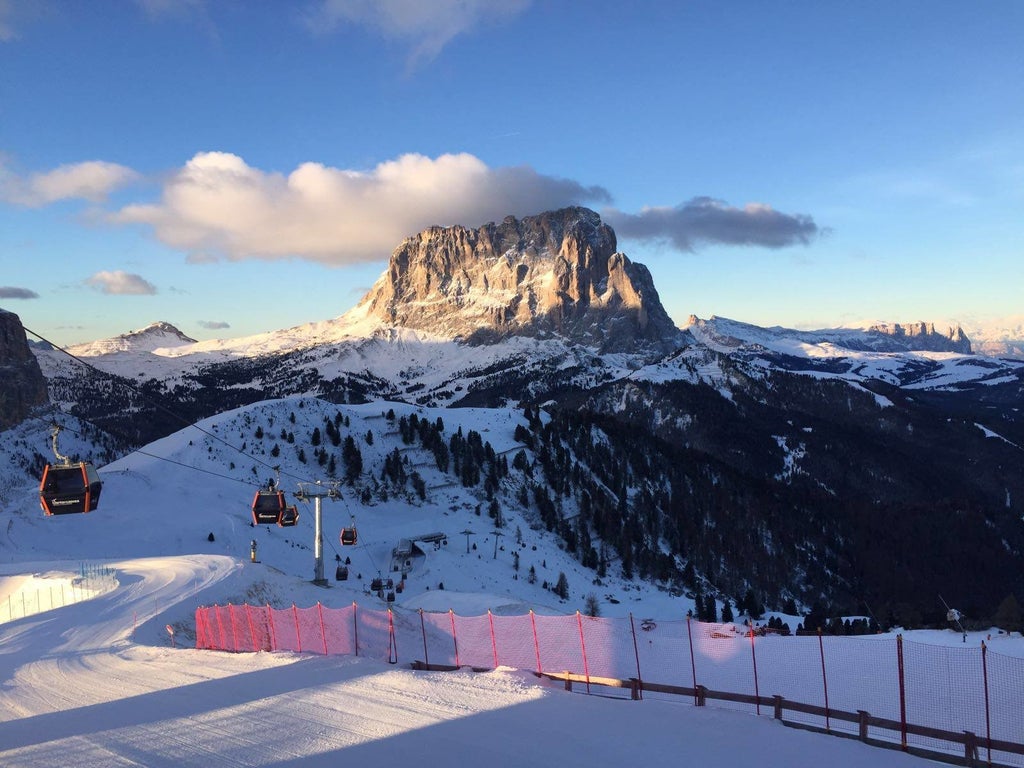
[{"x": 556, "y": 273}]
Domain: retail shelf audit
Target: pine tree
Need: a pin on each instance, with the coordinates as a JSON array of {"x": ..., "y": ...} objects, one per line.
[
  {"x": 727, "y": 615},
  {"x": 591, "y": 605},
  {"x": 562, "y": 587}
]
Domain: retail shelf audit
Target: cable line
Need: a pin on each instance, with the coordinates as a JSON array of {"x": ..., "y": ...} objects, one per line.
[{"x": 127, "y": 383}]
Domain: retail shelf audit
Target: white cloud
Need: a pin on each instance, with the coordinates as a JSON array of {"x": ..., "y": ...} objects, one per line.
[
  {"x": 428, "y": 26},
  {"x": 218, "y": 204},
  {"x": 93, "y": 181},
  {"x": 121, "y": 283}
]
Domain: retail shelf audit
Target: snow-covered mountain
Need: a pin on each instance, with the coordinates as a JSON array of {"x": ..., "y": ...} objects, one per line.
[{"x": 788, "y": 445}]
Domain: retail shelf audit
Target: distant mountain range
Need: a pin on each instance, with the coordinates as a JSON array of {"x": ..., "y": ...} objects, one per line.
[{"x": 841, "y": 466}]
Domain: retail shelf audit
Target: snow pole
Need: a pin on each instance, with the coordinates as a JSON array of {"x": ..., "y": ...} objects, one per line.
[
  {"x": 273, "y": 631},
  {"x": 423, "y": 630},
  {"x": 298, "y": 632},
  {"x": 234, "y": 629},
  {"x": 223, "y": 635},
  {"x": 753, "y": 656},
  {"x": 392, "y": 641},
  {"x": 536, "y": 644},
  {"x": 455, "y": 640},
  {"x": 323, "y": 632},
  {"x": 494, "y": 644},
  {"x": 355, "y": 626},
  {"x": 903, "y": 693},
  {"x": 583, "y": 647},
  {"x": 252, "y": 628},
  {"x": 824, "y": 679},
  {"x": 636, "y": 652},
  {"x": 988, "y": 722},
  {"x": 693, "y": 663}
]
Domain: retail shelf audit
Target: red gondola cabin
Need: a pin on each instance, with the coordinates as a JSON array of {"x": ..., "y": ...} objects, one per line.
[{"x": 69, "y": 488}]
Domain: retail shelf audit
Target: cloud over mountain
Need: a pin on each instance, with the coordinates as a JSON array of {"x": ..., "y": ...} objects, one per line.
[
  {"x": 706, "y": 220},
  {"x": 218, "y": 204}
]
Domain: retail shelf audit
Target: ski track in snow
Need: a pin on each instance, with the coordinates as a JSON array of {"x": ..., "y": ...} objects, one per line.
[{"x": 78, "y": 689}]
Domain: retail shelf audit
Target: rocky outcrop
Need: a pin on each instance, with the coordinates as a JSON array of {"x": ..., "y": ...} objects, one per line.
[
  {"x": 558, "y": 272},
  {"x": 22, "y": 386},
  {"x": 924, "y": 337}
]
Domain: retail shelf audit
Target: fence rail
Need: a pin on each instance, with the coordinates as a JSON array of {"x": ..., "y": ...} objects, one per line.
[{"x": 945, "y": 702}]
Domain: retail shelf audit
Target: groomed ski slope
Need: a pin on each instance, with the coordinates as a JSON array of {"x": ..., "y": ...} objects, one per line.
[{"x": 97, "y": 684}]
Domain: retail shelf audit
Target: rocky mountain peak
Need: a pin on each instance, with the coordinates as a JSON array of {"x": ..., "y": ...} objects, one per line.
[
  {"x": 557, "y": 272},
  {"x": 154, "y": 336},
  {"x": 22, "y": 386},
  {"x": 924, "y": 336}
]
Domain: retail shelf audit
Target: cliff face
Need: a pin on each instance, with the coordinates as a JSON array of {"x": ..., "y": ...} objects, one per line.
[
  {"x": 557, "y": 273},
  {"x": 923, "y": 336},
  {"x": 22, "y": 386}
]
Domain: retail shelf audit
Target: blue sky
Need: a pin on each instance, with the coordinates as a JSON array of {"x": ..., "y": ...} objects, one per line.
[{"x": 236, "y": 167}]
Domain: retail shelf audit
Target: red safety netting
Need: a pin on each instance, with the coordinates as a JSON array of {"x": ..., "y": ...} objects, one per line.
[
  {"x": 558, "y": 639},
  {"x": 514, "y": 639},
  {"x": 949, "y": 688}
]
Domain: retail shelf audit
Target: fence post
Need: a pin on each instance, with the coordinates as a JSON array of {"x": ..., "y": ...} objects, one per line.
[
  {"x": 583, "y": 647},
  {"x": 494, "y": 644},
  {"x": 234, "y": 629},
  {"x": 862, "y": 724},
  {"x": 355, "y": 626},
  {"x": 639, "y": 691},
  {"x": 323, "y": 632},
  {"x": 778, "y": 706},
  {"x": 753, "y": 655},
  {"x": 252, "y": 629},
  {"x": 423, "y": 629},
  {"x": 824, "y": 679},
  {"x": 298, "y": 632},
  {"x": 988, "y": 722},
  {"x": 536, "y": 644},
  {"x": 273, "y": 630},
  {"x": 702, "y": 696},
  {"x": 970, "y": 749},
  {"x": 455, "y": 640},
  {"x": 220, "y": 625},
  {"x": 693, "y": 665},
  {"x": 903, "y": 693}
]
